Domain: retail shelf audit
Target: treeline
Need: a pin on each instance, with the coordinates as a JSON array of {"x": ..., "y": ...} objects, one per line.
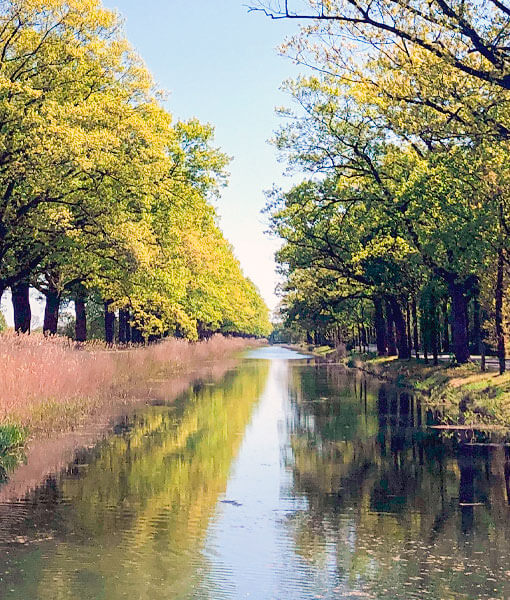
[
  {"x": 102, "y": 193},
  {"x": 400, "y": 233}
]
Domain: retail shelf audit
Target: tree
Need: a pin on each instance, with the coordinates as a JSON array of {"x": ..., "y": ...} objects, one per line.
[
  {"x": 67, "y": 78},
  {"x": 102, "y": 194},
  {"x": 434, "y": 204},
  {"x": 472, "y": 37},
  {"x": 335, "y": 228}
]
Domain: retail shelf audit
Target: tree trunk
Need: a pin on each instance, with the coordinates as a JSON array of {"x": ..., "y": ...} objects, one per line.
[
  {"x": 122, "y": 327},
  {"x": 500, "y": 334},
  {"x": 364, "y": 338},
  {"x": 434, "y": 333},
  {"x": 477, "y": 327},
  {"x": 81, "y": 318},
  {"x": 425, "y": 336},
  {"x": 123, "y": 324},
  {"x": 459, "y": 326},
  {"x": 415, "y": 327},
  {"x": 109, "y": 323},
  {"x": 432, "y": 325},
  {"x": 129, "y": 333},
  {"x": 21, "y": 306},
  {"x": 392, "y": 348},
  {"x": 51, "y": 312},
  {"x": 136, "y": 335},
  {"x": 467, "y": 320},
  {"x": 400, "y": 329},
  {"x": 409, "y": 333},
  {"x": 446, "y": 333},
  {"x": 380, "y": 327}
]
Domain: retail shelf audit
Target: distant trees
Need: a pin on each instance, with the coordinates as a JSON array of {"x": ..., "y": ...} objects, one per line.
[
  {"x": 100, "y": 192},
  {"x": 406, "y": 144}
]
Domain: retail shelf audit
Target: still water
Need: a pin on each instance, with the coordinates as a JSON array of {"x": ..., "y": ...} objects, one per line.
[{"x": 286, "y": 480}]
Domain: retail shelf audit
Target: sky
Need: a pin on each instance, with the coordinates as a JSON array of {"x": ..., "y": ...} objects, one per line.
[{"x": 219, "y": 63}]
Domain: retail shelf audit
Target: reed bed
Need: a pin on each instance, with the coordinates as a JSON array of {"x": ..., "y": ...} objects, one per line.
[{"x": 43, "y": 378}]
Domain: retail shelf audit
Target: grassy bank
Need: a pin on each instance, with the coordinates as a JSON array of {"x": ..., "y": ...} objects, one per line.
[
  {"x": 49, "y": 384},
  {"x": 463, "y": 394},
  {"x": 318, "y": 351}
]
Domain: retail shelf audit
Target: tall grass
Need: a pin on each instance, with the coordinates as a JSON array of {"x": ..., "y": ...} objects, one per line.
[{"x": 37, "y": 372}]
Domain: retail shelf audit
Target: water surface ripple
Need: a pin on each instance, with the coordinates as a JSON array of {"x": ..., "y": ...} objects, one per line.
[{"x": 286, "y": 480}]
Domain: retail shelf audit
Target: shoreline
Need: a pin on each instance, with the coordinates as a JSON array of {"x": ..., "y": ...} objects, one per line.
[
  {"x": 317, "y": 351},
  {"x": 464, "y": 395},
  {"x": 45, "y": 455},
  {"x": 49, "y": 432}
]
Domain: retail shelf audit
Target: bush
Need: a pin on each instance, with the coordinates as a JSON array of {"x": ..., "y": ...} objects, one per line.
[{"x": 12, "y": 441}]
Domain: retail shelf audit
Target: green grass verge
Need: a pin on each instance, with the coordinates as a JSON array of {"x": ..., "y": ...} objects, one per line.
[
  {"x": 12, "y": 443},
  {"x": 320, "y": 351},
  {"x": 464, "y": 394}
]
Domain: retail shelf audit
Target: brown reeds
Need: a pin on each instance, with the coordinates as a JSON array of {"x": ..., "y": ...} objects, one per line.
[{"x": 37, "y": 372}]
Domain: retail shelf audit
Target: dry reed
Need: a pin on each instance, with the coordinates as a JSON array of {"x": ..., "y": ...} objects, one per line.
[{"x": 36, "y": 371}]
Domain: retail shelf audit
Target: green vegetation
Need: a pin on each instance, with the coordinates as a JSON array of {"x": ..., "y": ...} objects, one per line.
[
  {"x": 12, "y": 441},
  {"x": 104, "y": 197},
  {"x": 462, "y": 394},
  {"x": 399, "y": 235}
]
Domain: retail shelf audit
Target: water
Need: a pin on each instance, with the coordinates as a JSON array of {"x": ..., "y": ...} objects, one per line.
[{"x": 286, "y": 480}]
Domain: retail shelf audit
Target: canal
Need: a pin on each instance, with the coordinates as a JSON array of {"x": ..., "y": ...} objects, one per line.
[{"x": 285, "y": 480}]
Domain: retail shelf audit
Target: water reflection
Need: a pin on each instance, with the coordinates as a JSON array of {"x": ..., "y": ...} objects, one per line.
[
  {"x": 128, "y": 520},
  {"x": 285, "y": 480},
  {"x": 404, "y": 512}
]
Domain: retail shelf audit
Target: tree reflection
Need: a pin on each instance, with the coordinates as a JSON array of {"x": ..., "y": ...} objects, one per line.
[
  {"x": 408, "y": 511},
  {"x": 129, "y": 518}
]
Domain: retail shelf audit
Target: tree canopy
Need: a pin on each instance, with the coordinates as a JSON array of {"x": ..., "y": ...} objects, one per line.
[
  {"x": 402, "y": 131},
  {"x": 102, "y": 192}
]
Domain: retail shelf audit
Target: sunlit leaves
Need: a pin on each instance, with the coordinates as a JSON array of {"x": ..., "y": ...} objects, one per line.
[{"x": 100, "y": 189}]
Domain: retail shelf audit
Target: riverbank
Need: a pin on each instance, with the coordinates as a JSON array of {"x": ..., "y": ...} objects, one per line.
[
  {"x": 317, "y": 351},
  {"x": 464, "y": 395},
  {"x": 51, "y": 387}
]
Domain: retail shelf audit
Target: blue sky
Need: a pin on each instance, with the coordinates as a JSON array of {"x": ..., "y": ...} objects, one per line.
[{"x": 219, "y": 63}]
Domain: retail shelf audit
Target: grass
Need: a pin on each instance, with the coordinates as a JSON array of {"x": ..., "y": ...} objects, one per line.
[
  {"x": 462, "y": 393},
  {"x": 50, "y": 384},
  {"x": 320, "y": 351},
  {"x": 12, "y": 441},
  {"x": 323, "y": 350}
]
